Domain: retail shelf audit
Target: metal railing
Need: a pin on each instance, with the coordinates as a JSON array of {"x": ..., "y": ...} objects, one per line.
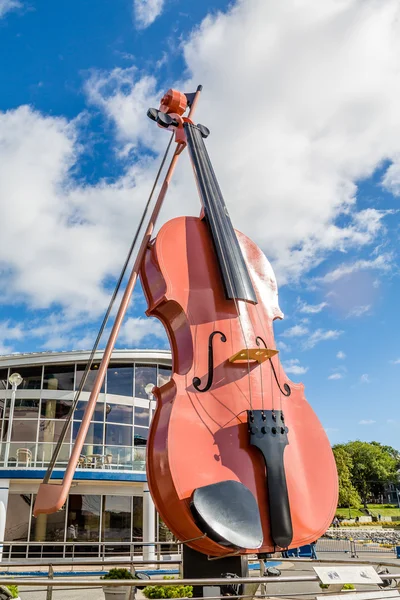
[
  {"x": 38, "y": 456},
  {"x": 75, "y": 550},
  {"x": 85, "y": 582}
]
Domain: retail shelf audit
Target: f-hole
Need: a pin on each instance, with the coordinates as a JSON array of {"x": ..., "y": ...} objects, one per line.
[
  {"x": 286, "y": 387},
  {"x": 196, "y": 380}
]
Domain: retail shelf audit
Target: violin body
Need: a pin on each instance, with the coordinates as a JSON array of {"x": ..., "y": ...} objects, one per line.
[{"x": 200, "y": 439}]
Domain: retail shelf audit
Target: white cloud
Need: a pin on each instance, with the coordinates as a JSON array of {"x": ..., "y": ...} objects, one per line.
[
  {"x": 312, "y": 308},
  {"x": 366, "y": 422},
  {"x": 359, "y": 311},
  {"x": 329, "y": 118},
  {"x": 7, "y": 5},
  {"x": 146, "y": 11},
  {"x": 321, "y": 335},
  {"x": 318, "y": 133},
  {"x": 365, "y": 378},
  {"x": 395, "y": 362},
  {"x": 293, "y": 366},
  {"x": 283, "y": 346},
  {"x": 295, "y": 331},
  {"x": 340, "y": 355},
  {"x": 381, "y": 263},
  {"x": 336, "y": 376},
  {"x": 136, "y": 329}
]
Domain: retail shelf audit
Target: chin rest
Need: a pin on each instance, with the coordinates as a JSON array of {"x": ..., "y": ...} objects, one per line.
[{"x": 228, "y": 513}]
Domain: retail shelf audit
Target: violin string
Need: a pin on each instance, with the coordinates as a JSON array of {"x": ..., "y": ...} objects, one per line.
[
  {"x": 244, "y": 304},
  {"x": 212, "y": 215},
  {"x": 222, "y": 209}
]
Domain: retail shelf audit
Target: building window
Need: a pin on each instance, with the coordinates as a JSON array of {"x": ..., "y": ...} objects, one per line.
[
  {"x": 120, "y": 380},
  {"x": 59, "y": 377},
  {"x": 117, "y": 517},
  {"x": 145, "y": 376},
  {"x": 50, "y": 431},
  {"x": 32, "y": 377},
  {"x": 83, "y": 521},
  {"x": 3, "y": 379},
  {"x": 24, "y": 408},
  {"x": 48, "y": 528},
  {"x": 98, "y": 414},
  {"x": 55, "y": 409},
  {"x": 119, "y": 413},
  {"x": 80, "y": 369},
  {"x": 140, "y": 436},
  {"x": 142, "y": 416},
  {"x": 164, "y": 375},
  {"x": 23, "y": 431},
  {"x": 137, "y": 519},
  {"x": 118, "y": 435},
  {"x": 94, "y": 434},
  {"x": 17, "y": 519}
]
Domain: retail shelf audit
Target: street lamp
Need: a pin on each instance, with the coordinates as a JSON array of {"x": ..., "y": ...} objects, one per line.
[{"x": 15, "y": 379}]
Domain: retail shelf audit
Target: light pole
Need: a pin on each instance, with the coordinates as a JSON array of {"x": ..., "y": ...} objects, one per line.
[{"x": 15, "y": 379}]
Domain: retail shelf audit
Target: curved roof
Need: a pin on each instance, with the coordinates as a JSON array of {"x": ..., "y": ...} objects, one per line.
[{"x": 73, "y": 356}]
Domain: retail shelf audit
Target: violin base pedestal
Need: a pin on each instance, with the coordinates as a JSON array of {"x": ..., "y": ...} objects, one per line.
[{"x": 197, "y": 566}]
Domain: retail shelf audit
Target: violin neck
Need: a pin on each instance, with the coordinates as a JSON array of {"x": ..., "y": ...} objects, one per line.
[{"x": 234, "y": 272}]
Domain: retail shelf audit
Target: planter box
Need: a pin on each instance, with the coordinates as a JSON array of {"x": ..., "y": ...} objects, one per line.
[{"x": 116, "y": 592}]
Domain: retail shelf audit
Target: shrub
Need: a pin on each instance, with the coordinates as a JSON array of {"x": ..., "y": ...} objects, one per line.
[
  {"x": 323, "y": 586},
  {"x": 348, "y": 586},
  {"x": 168, "y": 591},
  {"x": 13, "y": 589},
  {"x": 118, "y": 574}
]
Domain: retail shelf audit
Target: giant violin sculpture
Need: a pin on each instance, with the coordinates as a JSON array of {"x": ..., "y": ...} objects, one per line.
[{"x": 237, "y": 460}]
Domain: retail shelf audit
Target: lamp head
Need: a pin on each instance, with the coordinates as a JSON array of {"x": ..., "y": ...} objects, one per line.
[{"x": 15, "y": 379}]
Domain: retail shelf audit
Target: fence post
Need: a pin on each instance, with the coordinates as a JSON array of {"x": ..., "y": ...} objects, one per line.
[
  {"x": 132, "y": 592},
  {"x": 49, "y": 594}
]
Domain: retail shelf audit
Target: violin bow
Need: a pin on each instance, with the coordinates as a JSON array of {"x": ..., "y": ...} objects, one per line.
[{"x": 51, "y": 497}]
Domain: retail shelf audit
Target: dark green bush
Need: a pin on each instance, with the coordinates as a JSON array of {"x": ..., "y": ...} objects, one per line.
[
  {"x": 168, "y": 591},
  {"x": 118, "y": 574}
]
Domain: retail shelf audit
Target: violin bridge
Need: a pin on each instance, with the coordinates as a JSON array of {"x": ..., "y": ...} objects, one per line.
[{"x": 253, "y": 354}]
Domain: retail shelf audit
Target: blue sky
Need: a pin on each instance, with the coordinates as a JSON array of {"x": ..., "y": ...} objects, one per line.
[{"x": 305, "y": 138}]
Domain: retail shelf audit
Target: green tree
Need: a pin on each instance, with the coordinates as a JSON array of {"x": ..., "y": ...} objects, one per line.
[
  {"x": 348, "y": 495},
  {"x": 373, "y": 465}
]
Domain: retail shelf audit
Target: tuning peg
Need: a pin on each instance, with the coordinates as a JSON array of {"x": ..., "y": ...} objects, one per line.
[
  {"x": 205, "y": 132},
  {"x": 164, "y": 120},
  {"x": 152, "y": 113}
]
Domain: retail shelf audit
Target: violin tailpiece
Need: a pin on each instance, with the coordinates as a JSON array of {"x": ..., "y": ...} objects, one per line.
[
  {"x": 268, "y": 433},
  {"x": 259, "y": 355}
]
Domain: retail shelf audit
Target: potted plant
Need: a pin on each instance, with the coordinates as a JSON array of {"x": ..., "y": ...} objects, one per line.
[
  {"x": 11, "y": 591},
  {"x": 168, "y": 591},
  {"x": 117, "y": 592}
]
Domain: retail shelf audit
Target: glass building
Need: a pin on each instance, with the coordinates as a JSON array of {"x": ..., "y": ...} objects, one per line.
[{"x": 109, "y": 505}]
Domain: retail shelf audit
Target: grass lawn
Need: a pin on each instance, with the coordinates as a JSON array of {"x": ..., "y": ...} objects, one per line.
[
  {"x": 378, "y": 509},
  {"x": 375, "y": 509},
  {"x": 344, "y": 512}
]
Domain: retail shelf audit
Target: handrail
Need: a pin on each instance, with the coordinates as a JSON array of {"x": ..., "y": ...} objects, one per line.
[
  {"x": 75, "y": 582},
  {"x": 89, "y": 563}
]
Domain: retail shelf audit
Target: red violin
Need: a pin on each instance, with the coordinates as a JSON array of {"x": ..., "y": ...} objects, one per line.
[{"x": 237, "y": 460}]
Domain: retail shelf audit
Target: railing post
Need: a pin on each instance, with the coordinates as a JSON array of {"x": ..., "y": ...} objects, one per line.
[
  {"x": 132, "y": 591},
  {"x": 49, "y": 594},
  {"x": 353, "y": 551}
]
